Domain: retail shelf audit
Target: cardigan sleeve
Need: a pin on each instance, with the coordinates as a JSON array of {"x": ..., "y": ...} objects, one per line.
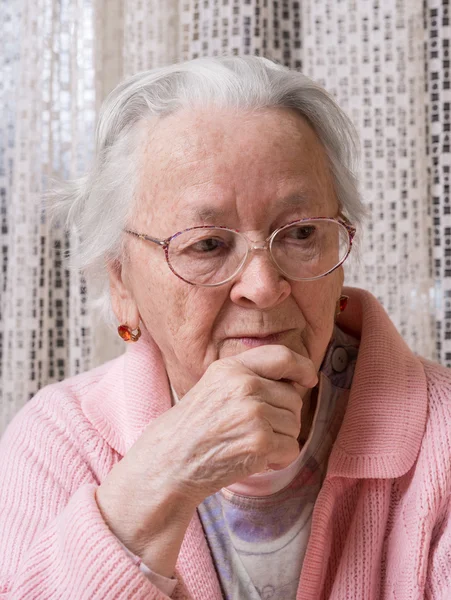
[
  {"x": 438, "y": 577},
  {"x": 54, "y": 542},
  {"x": 438, "y": 581}
]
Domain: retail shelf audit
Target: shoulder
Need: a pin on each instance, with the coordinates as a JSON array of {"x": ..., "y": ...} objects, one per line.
[
  {"x": 61, "y": 402},
  {"x": 53, "y": 424},
  {"x": 438, "y": 380},
  {"x": 438, "y": 377}
]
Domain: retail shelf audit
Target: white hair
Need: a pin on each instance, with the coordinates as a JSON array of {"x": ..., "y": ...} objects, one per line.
[{"x": 96, "y": 206}]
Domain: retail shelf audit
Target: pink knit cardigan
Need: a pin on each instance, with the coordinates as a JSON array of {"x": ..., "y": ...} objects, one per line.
[{"x": 381, "y": 526}]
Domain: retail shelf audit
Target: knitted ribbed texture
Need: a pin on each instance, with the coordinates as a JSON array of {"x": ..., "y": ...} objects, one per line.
[
  {"x": 381, "y": 524},
  {"x": 54, "y": 542},
  {"x": 388, "y": 538}
]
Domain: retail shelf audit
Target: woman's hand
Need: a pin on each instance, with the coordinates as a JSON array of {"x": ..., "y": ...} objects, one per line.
[{"x": 243, "y": 416}]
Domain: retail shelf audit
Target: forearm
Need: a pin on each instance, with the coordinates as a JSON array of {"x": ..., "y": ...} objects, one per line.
[{"x": 155, "y": 539}]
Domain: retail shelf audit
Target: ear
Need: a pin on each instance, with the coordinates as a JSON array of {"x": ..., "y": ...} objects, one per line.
[
  {"x": 341, "y": 279},
  {"x": 122, "y": 299},
  {"x": 339, "y": 275}
]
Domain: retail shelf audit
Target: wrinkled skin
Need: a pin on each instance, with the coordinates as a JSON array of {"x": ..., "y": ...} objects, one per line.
[
  {"x": 240, "y": 166},
  {"x": 251, "y": 171}
]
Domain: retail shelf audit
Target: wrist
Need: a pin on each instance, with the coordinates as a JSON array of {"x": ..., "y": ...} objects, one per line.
[
  {"x": 157, "y": 539},
  {"x": 136, "y": 521}
]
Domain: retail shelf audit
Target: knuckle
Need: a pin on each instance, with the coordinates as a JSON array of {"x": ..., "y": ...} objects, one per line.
[
  {"x": 217, "y": 367},
  {"x": 257, "y": 412},
  {"x": 282, "y": 359},
  {"x": 263, "y": 442},
  {"x": 247, "y": 385},
  {"x": 284, "y": 354},
  {"x": 294, "y": 406},
  {"x": 293, "y": 428}
]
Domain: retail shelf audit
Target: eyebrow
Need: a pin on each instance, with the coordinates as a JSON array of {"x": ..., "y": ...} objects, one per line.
[
  {"x": 297, "y": 200},
  {"x": 205, "y": 213},
  {"x": 211, "y": 213}
]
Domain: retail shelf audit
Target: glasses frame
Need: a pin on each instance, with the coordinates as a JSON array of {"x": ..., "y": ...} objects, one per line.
[{"x": 251, "y": 247}]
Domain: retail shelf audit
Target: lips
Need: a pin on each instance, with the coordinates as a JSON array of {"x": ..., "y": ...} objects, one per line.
[
  {"x": 258, "y": 335},
  {"x": 259, "y": 339}
]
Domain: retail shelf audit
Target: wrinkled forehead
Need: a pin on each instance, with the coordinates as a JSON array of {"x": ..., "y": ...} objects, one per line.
[{"x": 200, "y": 165}]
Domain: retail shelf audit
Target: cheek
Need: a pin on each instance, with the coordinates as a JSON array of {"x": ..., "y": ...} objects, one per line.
[
  {"x": 188, "y": 317},
  {"x": 319, "y": 312},
  {"x": 178, "y": 316},
  {"x": 317, "y": 301},
  {"x": 318, "y": 304}
]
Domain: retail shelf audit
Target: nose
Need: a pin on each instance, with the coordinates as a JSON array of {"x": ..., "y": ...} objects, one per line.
[{"x": 260, "y": 285}]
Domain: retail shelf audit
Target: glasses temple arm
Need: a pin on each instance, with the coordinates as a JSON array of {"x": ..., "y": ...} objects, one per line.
[{"x": 147, "y": 238}]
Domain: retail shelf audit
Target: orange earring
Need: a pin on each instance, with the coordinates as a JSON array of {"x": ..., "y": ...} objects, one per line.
[
  {"x": 342, "y": 303},
  {"x": 129, "y": 335}
]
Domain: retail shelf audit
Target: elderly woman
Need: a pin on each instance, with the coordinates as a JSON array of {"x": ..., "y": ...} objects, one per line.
[{"x": 266, "y": 434}]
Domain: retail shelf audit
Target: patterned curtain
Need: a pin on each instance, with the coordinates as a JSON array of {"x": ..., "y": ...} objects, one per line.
[{"x": 387, "y": 64}]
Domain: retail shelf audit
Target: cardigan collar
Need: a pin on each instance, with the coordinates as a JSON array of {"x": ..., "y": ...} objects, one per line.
[
  {"x": 386, "y": 415},
  {"x": 385, "y": 419},
  {"x": 133, "y": 391}
]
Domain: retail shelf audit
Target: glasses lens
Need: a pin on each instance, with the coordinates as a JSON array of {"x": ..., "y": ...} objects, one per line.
[
  {"x": 207, "y": 256},
  {"x": 310, "y": 249}
]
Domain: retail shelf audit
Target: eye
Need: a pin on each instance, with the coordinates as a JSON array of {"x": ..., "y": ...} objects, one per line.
[
  {"x": 208, "y": 245},
  {"x": 200, "y": 243},
  {"x": 302, "y": 233},
  {"x": 299, "y": 232}
]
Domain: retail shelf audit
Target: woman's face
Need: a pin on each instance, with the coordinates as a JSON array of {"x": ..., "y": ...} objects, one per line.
[{"x": 251, "y": 171}]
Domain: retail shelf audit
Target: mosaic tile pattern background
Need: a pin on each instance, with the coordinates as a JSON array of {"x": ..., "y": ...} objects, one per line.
[
  {"x": 48, "y": 98},
  {"x": 370, "y": 56},
  {"x": 388, "y": 65},
  {"x": 437, "y": 50}
]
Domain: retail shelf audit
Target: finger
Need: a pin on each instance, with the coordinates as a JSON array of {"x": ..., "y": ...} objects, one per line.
[
  {"x": 283, "y": 395},
  {"x": 285, "y": 452},
  {"x": 282, "y": 421},
  {"x": 278, "y": 362}
]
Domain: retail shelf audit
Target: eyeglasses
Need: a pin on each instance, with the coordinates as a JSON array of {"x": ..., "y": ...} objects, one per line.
[{"x": 303, "y": 250}]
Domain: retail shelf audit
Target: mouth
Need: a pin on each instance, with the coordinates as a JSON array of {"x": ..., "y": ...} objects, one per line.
[{"x": 251, "y": 340}]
